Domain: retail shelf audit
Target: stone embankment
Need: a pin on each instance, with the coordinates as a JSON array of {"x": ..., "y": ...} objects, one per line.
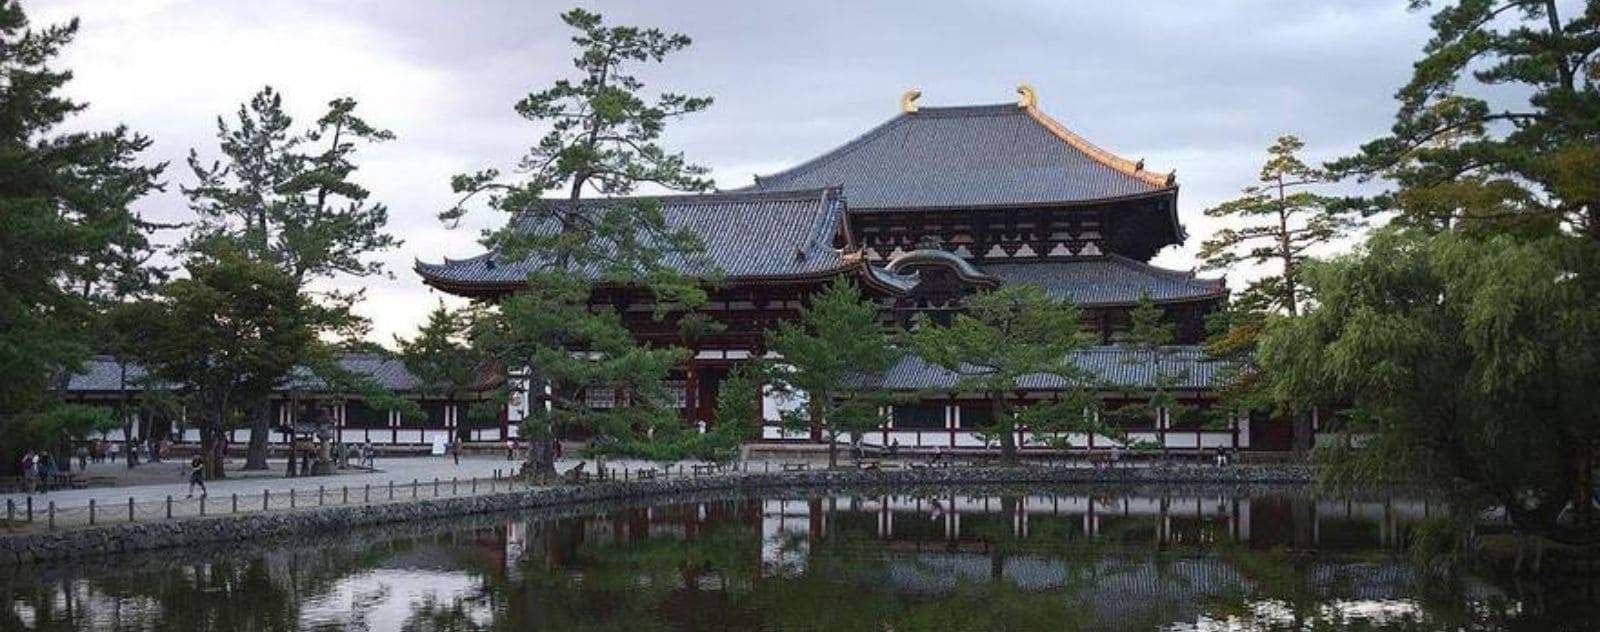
[{"x": 126, "y": 538}]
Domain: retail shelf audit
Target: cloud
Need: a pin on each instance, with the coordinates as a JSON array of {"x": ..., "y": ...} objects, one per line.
[{"x": 1198, "y": 87}]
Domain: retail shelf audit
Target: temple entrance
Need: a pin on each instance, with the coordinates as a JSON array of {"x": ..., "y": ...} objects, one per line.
[
  {"x": 1270, "y": 434},
  {"x": 703, "y": 403}
]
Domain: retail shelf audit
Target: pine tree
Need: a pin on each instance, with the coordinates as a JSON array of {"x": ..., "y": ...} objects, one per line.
[
  {"x": 64, "y": 200},
  {"x": 1005, "y": 334},
  {"x": 1458, "y": 158},
  {"x": 837, "y": 341},
  {"x": 1283, "y": 219},
  {"x": 602, "y": 140},
  {"x": 287, "y": 198}
]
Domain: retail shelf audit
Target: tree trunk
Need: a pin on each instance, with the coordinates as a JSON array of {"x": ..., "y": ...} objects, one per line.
[
  {"x": 130, "y": 453},
  {"x": 208, "y": 452},
  {"x": 1008, "y": 438},
  {"x": 541, "y": 462},
  {"x": 1302, "y": 433},
  {"x": 260, "y": 430}
]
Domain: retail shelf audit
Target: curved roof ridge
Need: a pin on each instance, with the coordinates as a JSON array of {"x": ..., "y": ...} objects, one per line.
[
  {"x": 1130, "y": 168},
  {"x": 732, "y": 195},
  {"x": 1178, "y": 275}
]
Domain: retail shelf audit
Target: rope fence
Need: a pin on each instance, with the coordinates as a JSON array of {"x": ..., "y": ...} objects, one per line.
[{"x": 40, "y": 512}]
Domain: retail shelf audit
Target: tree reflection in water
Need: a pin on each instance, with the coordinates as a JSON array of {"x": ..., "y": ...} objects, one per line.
[{"x": 945, "y": 560}]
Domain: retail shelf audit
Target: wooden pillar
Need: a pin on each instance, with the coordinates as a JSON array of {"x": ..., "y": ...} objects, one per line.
[{"x": 691, "y": 390}]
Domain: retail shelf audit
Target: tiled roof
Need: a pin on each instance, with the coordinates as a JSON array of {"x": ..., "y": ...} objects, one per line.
[
  {"x": 971, "y": 156},
  {"x": 103, "y": 374},
  {"x": 746, "y": 235},
  {"x": 1185, "y": 367},
  {"x": 1107, "y": 280}
]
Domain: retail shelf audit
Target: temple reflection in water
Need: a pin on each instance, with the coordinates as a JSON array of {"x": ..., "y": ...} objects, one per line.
[{"x": 937, "y": 560}]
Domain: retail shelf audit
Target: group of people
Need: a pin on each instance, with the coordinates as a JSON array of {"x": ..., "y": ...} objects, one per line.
[
  {"x": 365, "y": 455},
  {"x": 39, "y": 471}
]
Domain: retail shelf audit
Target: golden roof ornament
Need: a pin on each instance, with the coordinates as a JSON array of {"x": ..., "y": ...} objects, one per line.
[
  {"x": 1026, "y": 97},
  {"x": 908, "y": 100}
]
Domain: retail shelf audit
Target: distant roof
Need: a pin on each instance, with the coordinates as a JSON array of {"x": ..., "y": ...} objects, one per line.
[
  {"x": 970, "y": 156},
  {"x": 746, "y": 235},
  {"x": 1107, "y": 280},
  {"x": 1183, "y": 367},
  {"x": 103, "y": 373}
]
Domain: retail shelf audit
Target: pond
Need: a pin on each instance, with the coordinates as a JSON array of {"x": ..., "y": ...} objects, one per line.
[{"x": 935, "y": 559}]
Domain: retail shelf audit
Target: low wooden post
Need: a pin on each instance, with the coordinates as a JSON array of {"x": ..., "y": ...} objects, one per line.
[
  {"x": 265, "y": 499},
  {"x": 474, "y": 485},
  {"x": 235, "y": 502},
  {"x": 52, "y": 510},
  {"x": 30, "y": 510},
  {"x": 346, "y": 499},
  {"x": 391, "y": 490},
  {"x": 435, "y": 487},
  {"x": 91, "y": 512},
  {"x": 414, "y": 485},
  {"x": 130, "y": 509},
  {"x": 291, "y": 498},
  {"x": 202, "y": 504},
  {"x": 319, "y": 495},
  {"x": 453, "y": 490},
  {"x": 366, "y": 493},
  {"x": 11, "y": 511},
  {"x": 169, "y": 507}
]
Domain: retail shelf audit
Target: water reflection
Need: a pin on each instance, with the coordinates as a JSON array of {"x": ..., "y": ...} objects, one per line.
[{"x": 943, "y": 560}]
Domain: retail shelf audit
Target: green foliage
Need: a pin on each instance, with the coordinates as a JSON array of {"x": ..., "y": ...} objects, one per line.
[
  {"x": 64, "y": 218},
  {"x": 226, "y": 335},
  {"x": 59, "y": 424},
  {"x": 603, "y": 135},
  {"x": 738, "y": 408},
  {"x": 1458, "y": 358},
  {"x": 1282, "y": 219},
  {"x": 1003, "y": 336},
  {"x": 1458, "y": 158},
  {"x": 837, "y": 341},
  {"x": 1151, "y": 338},
  {"x": 441, "y": 355},
  {"x": 602, "y": 139},
  {"x": 286, "y": 196}
]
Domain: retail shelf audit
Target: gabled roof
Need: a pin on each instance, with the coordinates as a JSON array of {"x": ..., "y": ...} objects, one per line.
[
  {"x": 1182, "y": 367},
  {"x": 1108, "y": 280},
  {"x": 971, "y": 156},
  {"x": 746, "y": 235}
]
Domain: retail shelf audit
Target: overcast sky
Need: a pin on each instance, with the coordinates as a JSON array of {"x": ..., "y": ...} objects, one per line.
[{"x": 1200, "y": 87}]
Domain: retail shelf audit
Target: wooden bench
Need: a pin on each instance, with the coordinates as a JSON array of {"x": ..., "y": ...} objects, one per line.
[
  {"x": 708, "y": 469},
  {"x": 645, "y": 474},
  {"x": 796, "y": 467},
  {"x": 872, "y": 465}
]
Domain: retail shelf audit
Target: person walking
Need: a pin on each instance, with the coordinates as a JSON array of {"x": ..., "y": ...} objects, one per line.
[
  {"x": 47, "y": 469},
  {"x": 455, "y": 451},
  {"x": 197, "y": 476},
  {"x": 30, "y": 471}
]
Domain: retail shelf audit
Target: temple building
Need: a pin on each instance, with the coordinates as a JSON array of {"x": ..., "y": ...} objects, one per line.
[{"x": 930, "y": 206}]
